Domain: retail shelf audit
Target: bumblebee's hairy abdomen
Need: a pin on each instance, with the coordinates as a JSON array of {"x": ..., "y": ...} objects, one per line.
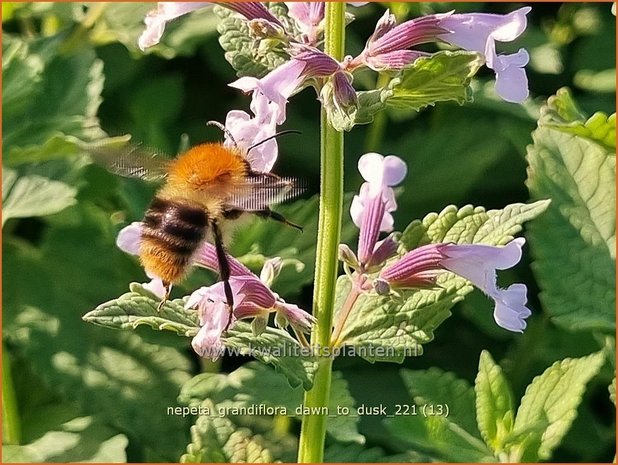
[{"x": 171, "y": 234}]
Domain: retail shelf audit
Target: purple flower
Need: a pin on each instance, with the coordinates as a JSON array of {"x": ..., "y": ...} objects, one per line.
[
  {"x": 475, "y": 262},
  {"x": 479, "y": 32},
  {"x": 387, "y": 48},
  {"x": 371, "y": 209},
  {"x": 166, "y": 11},
  {"x": 252, "y": 296},
  {"x": 252, "y": 299}
]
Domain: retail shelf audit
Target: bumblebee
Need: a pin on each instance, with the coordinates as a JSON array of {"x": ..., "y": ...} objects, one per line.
[{"x": 203, "y": 187}]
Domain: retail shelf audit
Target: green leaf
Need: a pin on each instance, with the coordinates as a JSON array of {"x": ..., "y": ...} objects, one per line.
[
  {"x": 246, "y": 55},
  {"x": 551, "y": 401},
  {"x": 140, "y": 307},
  {"x": 115, "y": 375},
  {"x": 33, "y": 195},
  {"x": 471, "y": 225},
  {"x": 494, "y": 403},
  {"x": 440, "y": 419},
  {"x": 382, "y": 328},
  {"x": 215, "y": 439},
  {"x": 577, "y": 235},
  {"x": 441, "y": 77},
  {"x": 389, "y": 328},
  {"x": 60, "y": 97},
  {"x": 275, "y": 347},
  {"x": 371, "y": 102},
  {"x": 256, "y": 384},
  {"x": 82, "y": 439},
  {"x": 562, "y": 114},
  {"x": 612, "y": 391}
]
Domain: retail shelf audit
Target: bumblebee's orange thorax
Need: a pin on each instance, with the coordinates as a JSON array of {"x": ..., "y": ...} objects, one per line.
[{"x": 205, "y": 170}]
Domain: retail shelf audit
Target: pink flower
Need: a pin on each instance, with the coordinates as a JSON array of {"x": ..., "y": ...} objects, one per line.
[
  {"x": 371, "y": 209},
  {"x": 475, "y": 262},
  {"x": 479, "y": 32},
  {"x": 387, "y": 48}
]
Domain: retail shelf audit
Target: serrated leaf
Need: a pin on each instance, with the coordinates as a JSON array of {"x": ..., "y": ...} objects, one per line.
[
  {"x": 442, "y": 77},
  {"x": 388, "y": 328},
  {"x": 247, "y": 57},
  {"x": 551, "y": 401},
  {"x": 494, "y": 403},
  {"x": 381, "y": 328},
  {"x": 574, "y": 242},
  {"x": 139, "y": 307},
  {"x": 452, "y": 435},
  {"x": 82, "y": 439},
  {"x": 471, "y": 225},
  {"x": 256, "y": 384},
  {"x": 62, "y": 98},
  {"x": 215, "y": 439},
  {"x": 561, "y": 113},
  {"x": 275, "y": 347},
  {"x": 32, "y": 195}
]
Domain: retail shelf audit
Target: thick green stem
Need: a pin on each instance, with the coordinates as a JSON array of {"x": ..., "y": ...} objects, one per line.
[
  {"x": 313, "y": 430},
  {"x": 11, "y": 428}
]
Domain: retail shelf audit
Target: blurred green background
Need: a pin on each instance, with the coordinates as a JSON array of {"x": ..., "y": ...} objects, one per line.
[{"x": 73, "y": 70}]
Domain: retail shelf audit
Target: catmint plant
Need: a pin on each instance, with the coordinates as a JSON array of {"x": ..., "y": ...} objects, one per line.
[{"x": 397, "y": 287}]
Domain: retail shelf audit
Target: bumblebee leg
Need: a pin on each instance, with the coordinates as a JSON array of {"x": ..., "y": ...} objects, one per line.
[
  {"x": 268, "y": 213},
  {"x": 168, "y": 289},
  {"x": 224, "y": 271}
]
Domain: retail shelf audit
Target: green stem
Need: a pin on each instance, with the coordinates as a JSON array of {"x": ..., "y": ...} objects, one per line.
[
  {"x": 313, "y": 429},
  {"x": 11, "y": 428}
]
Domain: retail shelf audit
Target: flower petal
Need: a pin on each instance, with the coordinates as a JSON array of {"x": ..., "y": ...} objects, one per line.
[
  {"x": 511, "y": 311},
  {"x": 155, "y": 20},
  {"x": 129, "y": 238}
]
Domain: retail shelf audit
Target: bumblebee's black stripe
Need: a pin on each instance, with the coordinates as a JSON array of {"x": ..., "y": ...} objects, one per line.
[
  {"x": 175, "y": 227},
  {"x": 184, "y": 213}
]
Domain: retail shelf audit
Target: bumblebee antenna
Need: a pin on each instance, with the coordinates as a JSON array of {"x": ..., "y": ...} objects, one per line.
[
  {"x": 282, "y": 133},
  {"x": 224, "y": 129}
]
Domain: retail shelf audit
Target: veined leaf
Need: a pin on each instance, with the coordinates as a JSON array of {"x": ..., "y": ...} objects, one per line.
[
  {"x": 494, "y": 403},
  {"x": 139, "y": 307},
  {"x": 452, "y": 435},
  {"x": 257, "y": 384},
  {"x": 549, "y": 407},
  {"x": 441, "y": 77},
  {"x": 574, "y": 243},
  {"x": 33, "y": 195},
  {"x": 215, "y": 439},
  {"x": 242, "y": 51}
]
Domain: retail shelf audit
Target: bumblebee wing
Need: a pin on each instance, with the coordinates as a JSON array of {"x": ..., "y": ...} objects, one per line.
[
  {"x": 130, "y": 160},
  {"x": 262, "y": 190}
]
